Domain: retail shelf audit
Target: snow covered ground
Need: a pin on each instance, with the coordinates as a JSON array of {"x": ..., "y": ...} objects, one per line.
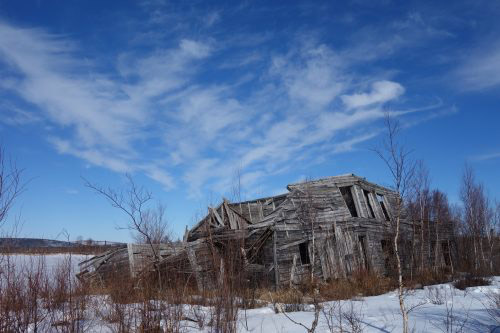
[
  {"x": 50, "y": 261},
  {"x": 434, "y": 304},
  {"x": 438, "y": 308}
]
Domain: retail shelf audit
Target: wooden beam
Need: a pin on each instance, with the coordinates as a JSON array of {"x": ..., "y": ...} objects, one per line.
[
  {"x": 131, "y": 261},
  {"x": 249, "y": 212},
  {"x": 275, "y": 259},
  {"x": 222, "y": 211},
  {"x": 292, "y": 270},
  {"x": 217, "y": 217},
  {"x": 195, "y": 267},
  {"x": 289, "y": 245}
]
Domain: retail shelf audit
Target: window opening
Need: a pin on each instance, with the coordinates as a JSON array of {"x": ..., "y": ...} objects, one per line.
[
  {"x": 361, "y": 240},
  {"x": 388, "y": 253},
  {"x": 304, "y": 253},
  {"x": 368, "y": 203},
  {"x": 349, "y": 200},
  {"x": 380, "y": 198}
]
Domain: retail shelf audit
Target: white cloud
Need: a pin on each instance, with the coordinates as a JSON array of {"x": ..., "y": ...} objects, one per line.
[
  {"x": 106, "y": 117},
  {"x": 382, "y": 91},
  {"x": 212, "y": 18},
  {"x": 159, "y": 112},
  {"x": 194, "y": 49},
  {"x": 485, "y": 157},
  {"x": 15, "y": 116},
  {"x": 480, "y": 70},
  {"x": 311, "y": 75}
]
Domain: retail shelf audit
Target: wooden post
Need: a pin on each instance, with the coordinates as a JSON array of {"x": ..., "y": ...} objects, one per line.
[
  {"x": 249, "y": 212},
  {"x": 130, "y": 250},
  {"x": 292, "y": 271},
  {"x": 194, "y": 266},
  {"x": 275, "y": 259}
]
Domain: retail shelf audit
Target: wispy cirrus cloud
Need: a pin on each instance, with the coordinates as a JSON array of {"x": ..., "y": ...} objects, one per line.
[
  {"x": 486, "y": 157},
  {"x": 164, "y": 112},
  {"x": 105, "y": 117},
  {"x": 382, "y": 91},
  {"x": 479, "y": 70}
]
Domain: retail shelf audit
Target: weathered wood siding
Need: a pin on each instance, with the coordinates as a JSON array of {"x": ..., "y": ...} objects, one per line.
[{"x": 267, "y": 235}]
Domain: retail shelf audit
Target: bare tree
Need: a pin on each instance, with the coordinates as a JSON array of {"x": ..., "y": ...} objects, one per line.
[
  {"x": 10, "y": 186},
  {"x": 402, "y": 169},
  {"x": 440, "y": 212},
  {"x": 419, "y": 208},
  {"x": 146, "y": 221},
  {"x": 493, "y": 235},
  {"x": 476, "y": 216}
]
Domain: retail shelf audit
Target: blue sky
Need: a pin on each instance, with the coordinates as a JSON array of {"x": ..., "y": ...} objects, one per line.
[{"x": 182, "y": 95}]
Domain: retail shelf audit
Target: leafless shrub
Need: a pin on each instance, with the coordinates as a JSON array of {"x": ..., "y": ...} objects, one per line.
[
  {"x": 343, "y": 317},
  {"x": 285, "y": 300},
  {"x": 118, "y": 317},
  {"x": 282, "y": 308},
  {"x": 492, "y": 305},
  {"x": 199, "y": 316},
  {"x": 34, "y": 298},
  {"x": 451, "y": 323},
  {"x": 435, "y": 296}
]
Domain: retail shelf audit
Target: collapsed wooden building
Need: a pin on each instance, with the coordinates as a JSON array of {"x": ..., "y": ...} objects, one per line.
[{"x": 325, "y": 228}]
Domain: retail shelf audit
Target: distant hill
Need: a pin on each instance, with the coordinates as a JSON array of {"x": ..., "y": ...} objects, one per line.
[
  {"x": 26, "y": 243},
  {"x": 40, "y": 243}
]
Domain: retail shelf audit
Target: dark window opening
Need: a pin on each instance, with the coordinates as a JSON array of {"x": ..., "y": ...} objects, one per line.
[
  {"x": 304, "y": 253},
  {"x": 348, "y": 259},
  {"x": 361, "y": 240},
  {"x": 368, "y": 203},
  {"x": 349, "y": 200},
  {"x": 388, "y": 253},
  {"x": 380, "y": 198}
]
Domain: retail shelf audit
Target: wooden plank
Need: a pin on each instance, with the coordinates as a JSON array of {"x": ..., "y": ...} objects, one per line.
[
  {"x": 297, "y": 242},
  {"x": 131, "y": 259},
  {"x": 217, "y": 217},
  {"x": 195, "y": 267},
  {"x": 292, "y": 270},
  {"x": 249, "y": 212},
  {"x": 222, "y": 211},
  {"x": 359, "y": 201},
  {"x": 275, "y": 262}
]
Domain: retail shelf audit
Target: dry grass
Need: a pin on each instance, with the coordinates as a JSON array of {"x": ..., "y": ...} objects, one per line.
[
  {"x": 36, "y": 297},
  {"x": 471, "y": 281},
  {"x": 429, "y": 277},
  {"x": 32, "y": 297},
  {"x": 361, "y": 283}
]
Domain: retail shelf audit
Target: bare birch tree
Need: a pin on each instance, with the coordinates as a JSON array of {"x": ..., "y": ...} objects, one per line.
[
  {"x": 402, "y": 169},
  {"x": 145, "y": 220}
]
